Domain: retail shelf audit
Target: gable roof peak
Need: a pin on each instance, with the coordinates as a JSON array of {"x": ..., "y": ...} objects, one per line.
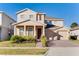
[{"x": 23, "y": 10}]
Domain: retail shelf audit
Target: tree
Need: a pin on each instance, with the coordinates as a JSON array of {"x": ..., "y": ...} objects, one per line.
[{"x": 74, "y": 24}]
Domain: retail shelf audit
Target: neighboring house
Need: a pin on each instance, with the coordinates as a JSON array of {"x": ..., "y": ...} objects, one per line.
[
  {"x": 5, "y": 25},
  {"x": 75, "y": 32},
  {"x": 37, "y": 24}
]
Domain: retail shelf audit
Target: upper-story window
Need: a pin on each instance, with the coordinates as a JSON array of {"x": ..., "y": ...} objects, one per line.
[
  {"x": 38, "y": 17},
  {"x": 30, "y": 16},
  {"x": 22, "y": 16}
]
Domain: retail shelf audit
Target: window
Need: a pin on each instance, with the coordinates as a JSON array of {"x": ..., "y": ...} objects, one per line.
[
  {"x": 30, "y": 31},
  {"x": 38, "y": 17},
  {"x": 21, "y": 31},
  {"x": 30, "y": 16},
  {"x": 22, "y": 16}
]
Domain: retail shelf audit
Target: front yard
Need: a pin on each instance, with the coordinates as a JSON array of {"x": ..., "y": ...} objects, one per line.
[
  {"x": 34, "y": 51},
  {"x": 9, "y": 48},
  {"x": 10, "y": 44},
  {"x": 75, "y": 41}
]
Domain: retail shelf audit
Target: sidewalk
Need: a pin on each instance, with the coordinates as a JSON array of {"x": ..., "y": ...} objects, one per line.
[{"x": 63, "y": 51}]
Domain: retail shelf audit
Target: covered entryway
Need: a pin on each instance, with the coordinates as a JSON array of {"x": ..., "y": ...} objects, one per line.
[
  {"x": 30, "y": 28},
  {"x": 39, "y": 32}
]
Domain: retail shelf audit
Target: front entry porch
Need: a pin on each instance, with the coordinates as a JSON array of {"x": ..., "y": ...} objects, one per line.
[
  {"x": 39, "y": 31},
  {"x": 36, "y": 31}
]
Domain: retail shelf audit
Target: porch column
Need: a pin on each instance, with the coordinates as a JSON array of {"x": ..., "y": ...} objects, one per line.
[
  {"x": 34, "y": 30},
  {"x": 15, "y": 30},
  {"x": 24, "y": 30},
  {"x": 43, "y": 30}
]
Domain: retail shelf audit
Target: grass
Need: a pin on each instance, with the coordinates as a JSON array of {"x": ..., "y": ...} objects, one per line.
[
  {"x": 75, "y": 41},
  {"x": 10, "y": 44},
  {"x": 13, "y": 49},
  {"x": 22, "y": 51}
]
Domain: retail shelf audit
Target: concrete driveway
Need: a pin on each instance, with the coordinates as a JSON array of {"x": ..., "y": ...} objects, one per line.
[
  {"x": 62, "y": 43},
  {"x": 63, "y": 48},
  {"x": 63, "y": 51}
]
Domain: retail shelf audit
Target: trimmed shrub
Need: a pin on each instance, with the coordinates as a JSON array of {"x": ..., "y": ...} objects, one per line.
[
  {"x": 31, "y": 38},
  {"x": 43, "y": 41},
  {"x": 20, "y": 39},
  {"x": 73, "y": 37},
  {"x": 15, "y": 38},
  {"x": 25, "y": 38}
]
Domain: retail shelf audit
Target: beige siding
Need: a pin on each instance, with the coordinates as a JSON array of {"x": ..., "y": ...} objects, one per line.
[
  {"x": 58, "y": 23},
  {"x": 26, "y": 15}
]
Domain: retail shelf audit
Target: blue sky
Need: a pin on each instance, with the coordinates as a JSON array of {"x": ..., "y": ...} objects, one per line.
[{"x": 69, "y": 12}]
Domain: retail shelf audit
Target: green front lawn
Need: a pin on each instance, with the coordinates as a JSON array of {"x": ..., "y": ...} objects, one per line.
[
  {"x": 26, "y": 50},
  {"x": 35, "y": 51},
  {"x": 75, "y": 41},
  {"x": 10, "y": 44}
]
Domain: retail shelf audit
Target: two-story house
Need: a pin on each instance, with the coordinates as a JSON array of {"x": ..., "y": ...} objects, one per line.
[
  {"x": 6, "y": 28},
  {"x": 30, "y": 23},
  {"x": 37, "y": 24}
]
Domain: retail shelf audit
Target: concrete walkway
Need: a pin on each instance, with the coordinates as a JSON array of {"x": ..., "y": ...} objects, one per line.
[{"x": 39, "y": 44}]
